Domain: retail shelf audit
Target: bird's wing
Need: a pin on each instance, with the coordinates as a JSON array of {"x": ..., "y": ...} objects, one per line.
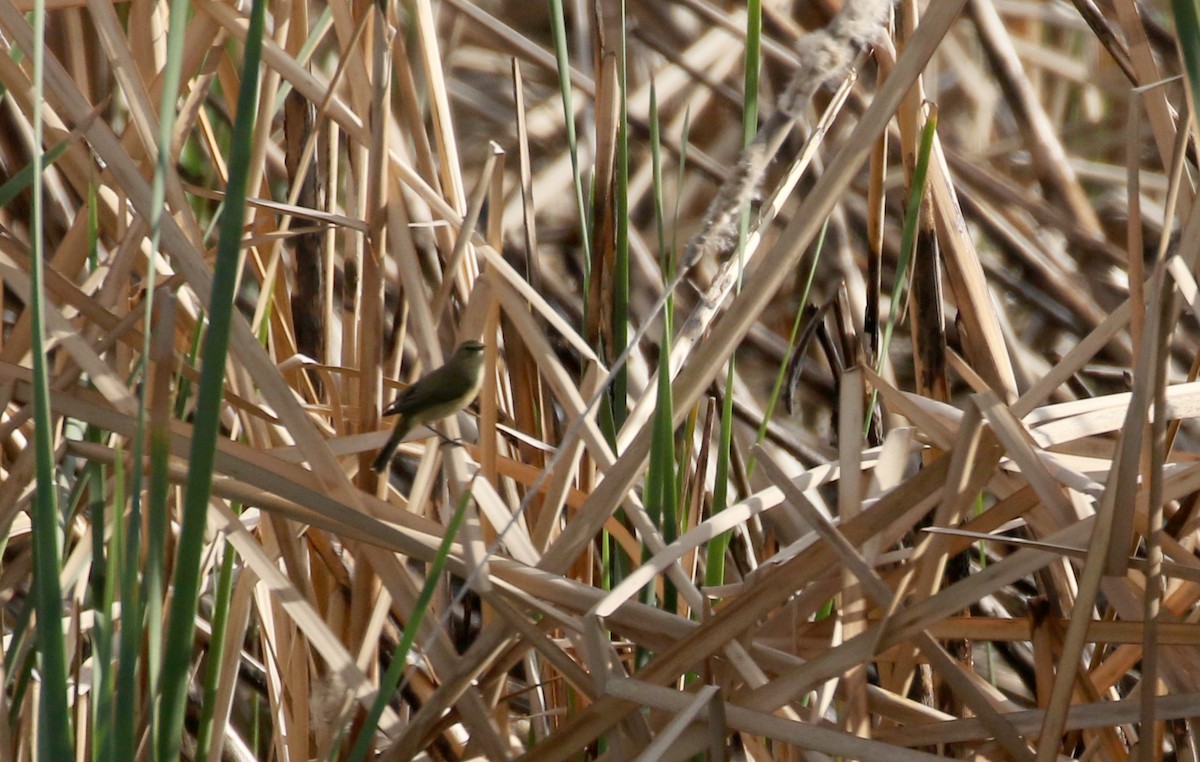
[
  {"x": 430, "y": 391},
  {"x": 394, "y": 408}
]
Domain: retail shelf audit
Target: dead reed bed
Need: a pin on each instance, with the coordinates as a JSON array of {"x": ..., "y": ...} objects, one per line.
[{"x": 840, "y": 379}]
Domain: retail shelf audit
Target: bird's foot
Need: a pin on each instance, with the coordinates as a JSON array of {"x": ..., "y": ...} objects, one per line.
[{"x": 447, "y": 441}]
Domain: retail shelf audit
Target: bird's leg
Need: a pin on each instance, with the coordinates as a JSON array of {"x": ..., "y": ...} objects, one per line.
[{"x": 446, "y": 441}]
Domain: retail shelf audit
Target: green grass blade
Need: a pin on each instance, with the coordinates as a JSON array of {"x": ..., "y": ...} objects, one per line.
[
  {"x": 176, "y": 667},
  {"x": 142, "y": 587},
  {"x": 660, "y": 492},
  {"x": 781, "y": 376},
  {"x": 621, "y": 264},
  {"x": 558, "y": 30},
  {"x": 391, "y": 681},
  {"x": 17, "y": 184},
  {"x": 103, "y": 587},
  {"x": 661, "y": 498},
  {"x": 1187, "y": 30},
  {"x": 753, "y": 69},
  {"x": 714, "y": 570},
  {"x": 107, "y": 555},
  {"x": 24, "y": 673},
  {"x": 714, "y": 573},
  {"x": 665, "y": 255},
  {"x": 124, "y": 733},
  {"x": 908, "y": 240},
  {"x": 216, "y": 650},
  {"x": 54, "y": 718},
  {"x": 153, "y": 594}
]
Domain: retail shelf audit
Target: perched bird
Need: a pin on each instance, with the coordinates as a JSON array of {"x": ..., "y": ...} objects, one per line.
[{"x": 439, "y": 393}]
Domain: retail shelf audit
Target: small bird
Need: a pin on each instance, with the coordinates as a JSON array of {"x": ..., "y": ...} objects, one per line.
[{"x": 439, "y": 393}]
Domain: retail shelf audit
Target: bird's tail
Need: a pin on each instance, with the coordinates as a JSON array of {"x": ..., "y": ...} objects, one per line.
[{"x": 384, "y": 458}]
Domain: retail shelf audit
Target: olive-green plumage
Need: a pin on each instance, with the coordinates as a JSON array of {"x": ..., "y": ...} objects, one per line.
[{"x": 439, "y": 393}]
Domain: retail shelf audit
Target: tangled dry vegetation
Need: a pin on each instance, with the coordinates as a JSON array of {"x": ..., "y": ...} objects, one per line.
[{"x": 984, "y": 547}]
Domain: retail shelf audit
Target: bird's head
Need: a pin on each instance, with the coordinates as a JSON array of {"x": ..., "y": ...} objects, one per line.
[{"x": 470, "y": 348}]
